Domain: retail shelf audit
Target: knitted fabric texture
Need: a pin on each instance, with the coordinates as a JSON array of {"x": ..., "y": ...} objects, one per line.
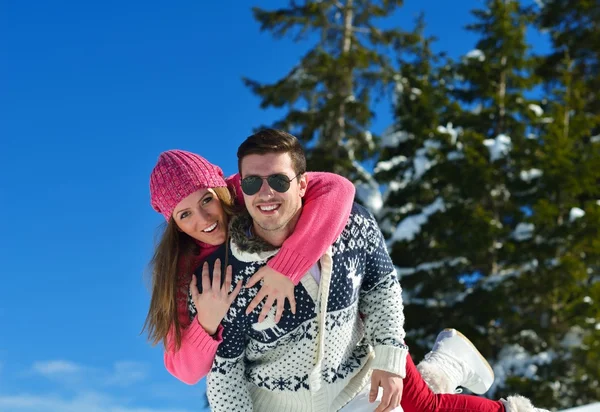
[
  {"x": 321, "y": 357},
  {"x": 178, "y": 174}
]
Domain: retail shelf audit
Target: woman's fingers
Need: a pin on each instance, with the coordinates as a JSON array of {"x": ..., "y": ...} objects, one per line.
[
  {"x": 205, "y": 277},
  {"x": 227, "y": 283},
  {"x": 194, "y": 287},
  {"x": 216, "y": 280}
]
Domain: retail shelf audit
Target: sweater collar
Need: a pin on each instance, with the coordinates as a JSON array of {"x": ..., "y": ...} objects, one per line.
[{"x": 246, "y": 246}]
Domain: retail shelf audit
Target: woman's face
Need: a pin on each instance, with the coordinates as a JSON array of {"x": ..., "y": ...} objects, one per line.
[{"x": 201, "y": 216}]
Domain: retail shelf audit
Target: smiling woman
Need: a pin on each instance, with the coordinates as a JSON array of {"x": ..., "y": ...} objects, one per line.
[
  {"x": 202, "y": 217},
  {"x": 196, "y": 202}
]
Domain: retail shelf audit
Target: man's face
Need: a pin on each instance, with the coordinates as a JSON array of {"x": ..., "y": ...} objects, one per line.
[{"x": 274, "y": 213}]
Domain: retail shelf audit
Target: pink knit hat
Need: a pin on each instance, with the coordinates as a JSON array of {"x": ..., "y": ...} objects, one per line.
[{"x": 178, "y": 174}]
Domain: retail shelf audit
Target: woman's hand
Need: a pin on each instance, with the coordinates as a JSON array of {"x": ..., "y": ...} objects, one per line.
[
  {"x": 214, "y": 301},
  {"x": 276, "y": 287}
]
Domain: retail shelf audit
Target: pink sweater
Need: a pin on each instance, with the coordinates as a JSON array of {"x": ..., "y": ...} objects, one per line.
[{"x": 327, "y": 205}]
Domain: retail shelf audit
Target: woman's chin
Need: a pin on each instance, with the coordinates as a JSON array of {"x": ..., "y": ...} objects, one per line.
[{"x": 216, "y": 239}]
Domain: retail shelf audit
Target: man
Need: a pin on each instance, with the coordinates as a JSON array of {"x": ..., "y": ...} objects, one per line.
[
  {"x": 348, "y": 330},
  {"x": 317, "y": 357}
]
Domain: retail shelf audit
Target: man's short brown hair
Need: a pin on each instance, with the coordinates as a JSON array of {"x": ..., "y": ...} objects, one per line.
[{"x": 273, "y": 141}]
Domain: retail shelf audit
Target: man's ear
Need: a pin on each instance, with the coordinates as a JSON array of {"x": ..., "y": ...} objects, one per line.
[{"x": 303, "y": 182}]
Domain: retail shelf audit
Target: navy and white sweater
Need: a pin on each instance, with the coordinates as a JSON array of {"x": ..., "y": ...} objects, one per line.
[{"x": 321, "y": 357}]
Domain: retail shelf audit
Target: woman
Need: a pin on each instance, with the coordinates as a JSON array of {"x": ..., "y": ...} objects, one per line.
[{"x": 196, "y": 201}]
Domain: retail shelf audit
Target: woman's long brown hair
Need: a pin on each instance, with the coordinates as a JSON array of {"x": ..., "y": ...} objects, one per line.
[{"x": 173, "y": 258}]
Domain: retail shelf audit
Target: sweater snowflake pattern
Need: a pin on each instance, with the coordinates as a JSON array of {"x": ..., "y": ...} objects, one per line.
[{"x": 321, "y": 357}]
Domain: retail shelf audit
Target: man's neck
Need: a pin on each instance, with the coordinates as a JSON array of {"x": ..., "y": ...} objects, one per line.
[{"x": 277, "y": 237}]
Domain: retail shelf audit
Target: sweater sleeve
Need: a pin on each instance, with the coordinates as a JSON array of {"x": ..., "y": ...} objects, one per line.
[
  {"x": 381, "y": 289},
  {"x": 327, "y": 204},
  {"x": 195, "y": 356}
]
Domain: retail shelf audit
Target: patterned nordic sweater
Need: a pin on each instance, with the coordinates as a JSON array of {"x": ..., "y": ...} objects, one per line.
[{"x": 320, "y": 358}]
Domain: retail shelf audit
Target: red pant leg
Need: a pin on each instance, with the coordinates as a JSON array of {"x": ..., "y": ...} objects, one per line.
[{"x": 417, "y": 397}]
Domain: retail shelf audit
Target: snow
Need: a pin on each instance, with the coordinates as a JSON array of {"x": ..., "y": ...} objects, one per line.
[
  {"x": 393, "y": 138},
  {"x": 498, "y": 147},
  {"x": 395, "y": 186},
  {"x": 494, "y": 280},
  {"x": 449, "y": 129},
  {"x": 594, "y": 407},
  {"x": 411, "y": 226},
  {"x": 476, "y": 54},
  {"x": 529, "y": 175},
  {"x": 523, "y": 231},
  {"x": 422, "y": 163},
  {"x": 536, "y": 109},
  {"x": 430, "y": 266},
  {"x": 515, "y": 360},
  {"x": 573, "y": 338},
  {"x": 455, "y": 155},
  {"x": 369, "y": 139},
  {"x": 575, "y": 214},
  {"x": 387, "y": 165},
  {"x": 370, "y": 196}
]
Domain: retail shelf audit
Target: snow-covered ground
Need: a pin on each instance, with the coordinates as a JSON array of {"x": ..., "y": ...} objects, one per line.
[{"x": 593, "y": 407}]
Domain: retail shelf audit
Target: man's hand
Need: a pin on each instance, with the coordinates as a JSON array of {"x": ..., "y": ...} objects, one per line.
[
  {"x": 276, "y": 287},
  {"x": 392, "y": 390},
  {"x": 214, "y": 301}
]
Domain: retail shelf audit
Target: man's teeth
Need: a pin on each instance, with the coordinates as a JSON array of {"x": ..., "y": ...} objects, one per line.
[
  {"x": 211, "y": 227},
  {"x": 267, "y": 208}
]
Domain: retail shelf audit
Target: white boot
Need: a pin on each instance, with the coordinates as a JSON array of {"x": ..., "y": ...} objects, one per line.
[
  {"x": 519, "y": 404},
  {"x": 455, "y": 361}
]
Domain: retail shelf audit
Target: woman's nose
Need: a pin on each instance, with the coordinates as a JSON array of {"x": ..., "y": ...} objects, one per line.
[{"x": 203, "y": 218}]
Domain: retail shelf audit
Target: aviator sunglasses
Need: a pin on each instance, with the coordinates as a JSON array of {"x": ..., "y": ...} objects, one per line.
[{"x": 278, "y": 182}]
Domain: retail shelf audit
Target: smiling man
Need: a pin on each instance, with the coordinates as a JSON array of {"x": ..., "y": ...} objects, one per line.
[
  {"x": 274, "y": 200},
  {"x": 322, "y": 357}
]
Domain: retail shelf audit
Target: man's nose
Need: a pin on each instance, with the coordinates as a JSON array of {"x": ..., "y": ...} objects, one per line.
[{"x": 265, "y": 189}]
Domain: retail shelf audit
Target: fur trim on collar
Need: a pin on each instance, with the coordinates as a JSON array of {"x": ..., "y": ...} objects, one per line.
[{"x": 248, "y": 248}]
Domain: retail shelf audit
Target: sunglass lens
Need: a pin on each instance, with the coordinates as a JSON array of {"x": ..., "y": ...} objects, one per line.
[
  {"x": 251, "y": 185},
  {"x": 279, "y": 183}
]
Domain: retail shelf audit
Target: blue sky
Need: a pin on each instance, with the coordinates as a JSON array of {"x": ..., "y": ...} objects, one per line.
[{"x": 91, "y": 93}]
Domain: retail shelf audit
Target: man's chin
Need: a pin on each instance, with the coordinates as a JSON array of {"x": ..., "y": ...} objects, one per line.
[{"x": 270, "y": 226}]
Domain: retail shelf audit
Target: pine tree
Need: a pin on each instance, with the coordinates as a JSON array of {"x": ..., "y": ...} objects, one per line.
[
  {"x": 561, "y": 292},
  {"x": 329, "y": 93},
  {"x": 463, "y": 221},
  {"x": 413, "y": 153}
]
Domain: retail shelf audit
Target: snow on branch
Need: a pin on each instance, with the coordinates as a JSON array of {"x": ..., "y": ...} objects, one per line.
[{"x": 411, "y": 226}]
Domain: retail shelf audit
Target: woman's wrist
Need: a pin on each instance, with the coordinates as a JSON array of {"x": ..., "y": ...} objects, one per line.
[{"x": 211, "y": 330}]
